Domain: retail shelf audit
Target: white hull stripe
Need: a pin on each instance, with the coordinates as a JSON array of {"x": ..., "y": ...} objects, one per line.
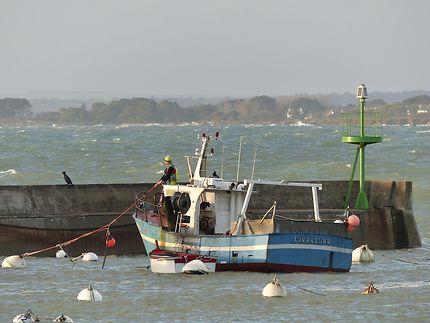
[
  {"x": 249, "y": 248},
  {"x": 307, "y": 246}
]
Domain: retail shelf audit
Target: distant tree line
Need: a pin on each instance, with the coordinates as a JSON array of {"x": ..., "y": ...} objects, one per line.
[
  {"x": 259, "y": 109},
  {"x": 15, "y": 108},
  {"x": 143, "y": 110}
]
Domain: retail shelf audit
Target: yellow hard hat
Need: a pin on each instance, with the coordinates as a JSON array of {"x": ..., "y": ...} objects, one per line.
[{"x": 168, "y": 158}]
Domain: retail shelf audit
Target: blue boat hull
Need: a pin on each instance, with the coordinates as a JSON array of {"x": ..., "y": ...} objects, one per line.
[{"x": 274, "y": 252}]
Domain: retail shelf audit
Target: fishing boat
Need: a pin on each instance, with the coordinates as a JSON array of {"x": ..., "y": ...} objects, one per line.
[{"x": 209, "y": 217}]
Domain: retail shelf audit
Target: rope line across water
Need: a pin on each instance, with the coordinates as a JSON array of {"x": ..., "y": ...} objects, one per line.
[{"x": 69, "y": 242}]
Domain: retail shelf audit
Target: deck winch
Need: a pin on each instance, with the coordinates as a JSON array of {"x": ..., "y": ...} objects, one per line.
[{"x": 181, "y": 202}]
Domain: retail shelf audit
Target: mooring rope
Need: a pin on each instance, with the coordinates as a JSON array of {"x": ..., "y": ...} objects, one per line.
[
  {"x": 67, "y": 255},
  {"x": 69, "y": 242},
  {"x": 401, "y": 260},
  {"x": 306, "y": 290}
]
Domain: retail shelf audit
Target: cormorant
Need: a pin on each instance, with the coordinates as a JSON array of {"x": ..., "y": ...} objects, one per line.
[{"x": 67, "y": 178}]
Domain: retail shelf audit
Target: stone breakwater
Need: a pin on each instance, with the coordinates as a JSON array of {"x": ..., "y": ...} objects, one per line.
[{"x": 40, "y": 216}]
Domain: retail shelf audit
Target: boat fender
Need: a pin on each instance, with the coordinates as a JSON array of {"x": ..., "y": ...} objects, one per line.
[
  {"x": 363, "y": 254},
  {"x": 90, "y": 256},
  {"x": 196, "y": 267},
  {"x": 15, "y": 261},
  {"x": 89, "y": 295},
  {"x": 274, "y": 289}
]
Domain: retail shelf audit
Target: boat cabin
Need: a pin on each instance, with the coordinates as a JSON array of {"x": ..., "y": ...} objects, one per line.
[{"x": 209, "y": 205}]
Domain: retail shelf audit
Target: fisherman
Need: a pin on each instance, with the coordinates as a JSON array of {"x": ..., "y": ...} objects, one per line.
[
  {"x": 170, "y": 177},
  {"x": 170, "y": 173}
]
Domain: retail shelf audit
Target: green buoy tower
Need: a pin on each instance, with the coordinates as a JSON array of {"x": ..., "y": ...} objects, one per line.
[{"x": 361, "y": 141}]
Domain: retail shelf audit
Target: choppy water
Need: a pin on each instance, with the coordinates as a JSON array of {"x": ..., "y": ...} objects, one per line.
[{"x": 108, "y": 154}]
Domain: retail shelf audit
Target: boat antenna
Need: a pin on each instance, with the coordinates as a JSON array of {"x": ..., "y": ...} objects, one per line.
[
  {"x": 253, "y": 164},
  {"x": 238, "y": 159},
  {"x": 222, "y": 161}
]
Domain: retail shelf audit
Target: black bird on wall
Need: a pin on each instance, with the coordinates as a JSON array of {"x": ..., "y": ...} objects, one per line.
[{"x": 67, "y": 178}]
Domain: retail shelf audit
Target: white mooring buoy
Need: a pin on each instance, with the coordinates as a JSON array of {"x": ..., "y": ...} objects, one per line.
[
  {"x": 363, "y": 254},
  {"x": 22, "y": 318},
  {"x": 89, "y": 295},
  {"x": 27, "y": 317},
  {"x": 15, "y": 261},
  {"x": 90, "y": 256},
  {"x": 274, "y": 289},
  {"x": 60, "y": 253},
  {"x": 63, "y": 318},
  {"x": 196, "y": 267}
]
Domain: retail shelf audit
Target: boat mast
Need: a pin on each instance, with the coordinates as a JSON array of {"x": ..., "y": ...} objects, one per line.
[
  {"x": 201, "y": 163},
  {"x": 238, "y": 159},
  {"x": 222, "y": 162},
  {"x": 253, "y": 164}
]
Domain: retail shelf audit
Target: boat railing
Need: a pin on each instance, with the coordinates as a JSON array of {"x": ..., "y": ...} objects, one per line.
[
  {"x": 142, "y": 204},
  {"x": 140, "y": 198},
  {"x": 315, "y": 187}
]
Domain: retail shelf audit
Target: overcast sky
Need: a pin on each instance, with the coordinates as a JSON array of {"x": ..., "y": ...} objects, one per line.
[{"x": 213, "y": 48}]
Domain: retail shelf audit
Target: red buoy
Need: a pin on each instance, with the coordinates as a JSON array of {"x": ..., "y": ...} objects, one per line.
[
  {"x": 353, "y": 222},
  {"x": 110, "y": 243}
]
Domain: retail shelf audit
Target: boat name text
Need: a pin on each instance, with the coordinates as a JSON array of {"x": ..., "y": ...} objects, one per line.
[{"x": 311, "y": 240}]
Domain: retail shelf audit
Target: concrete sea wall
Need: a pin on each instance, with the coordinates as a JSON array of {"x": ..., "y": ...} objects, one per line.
[
  {"x": 389, "y": 223},
  {"x": 36, "y": 217}
]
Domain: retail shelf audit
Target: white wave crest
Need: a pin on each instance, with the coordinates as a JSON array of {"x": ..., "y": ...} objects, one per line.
[{"x": 7, "y": 172}]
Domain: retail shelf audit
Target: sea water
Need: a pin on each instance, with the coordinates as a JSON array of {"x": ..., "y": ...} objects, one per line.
[{"x": 131, "y": 293}]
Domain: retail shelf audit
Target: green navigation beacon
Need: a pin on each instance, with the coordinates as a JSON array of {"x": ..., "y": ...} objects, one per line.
[{"x": 361, "y": 141}]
